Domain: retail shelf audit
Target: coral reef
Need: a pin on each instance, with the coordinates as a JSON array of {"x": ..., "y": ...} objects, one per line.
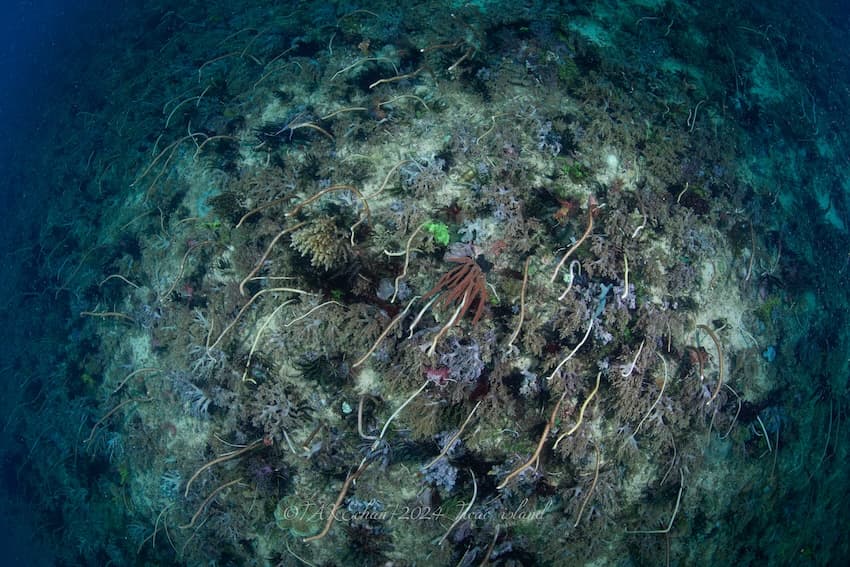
[{"x": 439, "y": 284}]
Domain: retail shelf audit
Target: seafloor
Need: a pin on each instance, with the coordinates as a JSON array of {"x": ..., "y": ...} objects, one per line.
[{"x": 436, "y": 283}]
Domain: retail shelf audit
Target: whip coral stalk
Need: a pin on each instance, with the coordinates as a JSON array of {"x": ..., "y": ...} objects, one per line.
[{"x": 591, "y": 210}]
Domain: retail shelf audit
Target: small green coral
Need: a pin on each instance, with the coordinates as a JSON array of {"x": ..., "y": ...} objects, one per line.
[
  {"x": 764, "y": 312},
  {"x": 439, "y": 231},
  {"x": 576, "y": 171},
  {"x": 87, "y": 379}
]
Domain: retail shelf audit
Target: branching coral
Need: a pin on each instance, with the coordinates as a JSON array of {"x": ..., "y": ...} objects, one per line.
[
  {"x": 466, "y": 282},
  {"x": 323, "y": 242},
  {"x": 275, "y": 409}
]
